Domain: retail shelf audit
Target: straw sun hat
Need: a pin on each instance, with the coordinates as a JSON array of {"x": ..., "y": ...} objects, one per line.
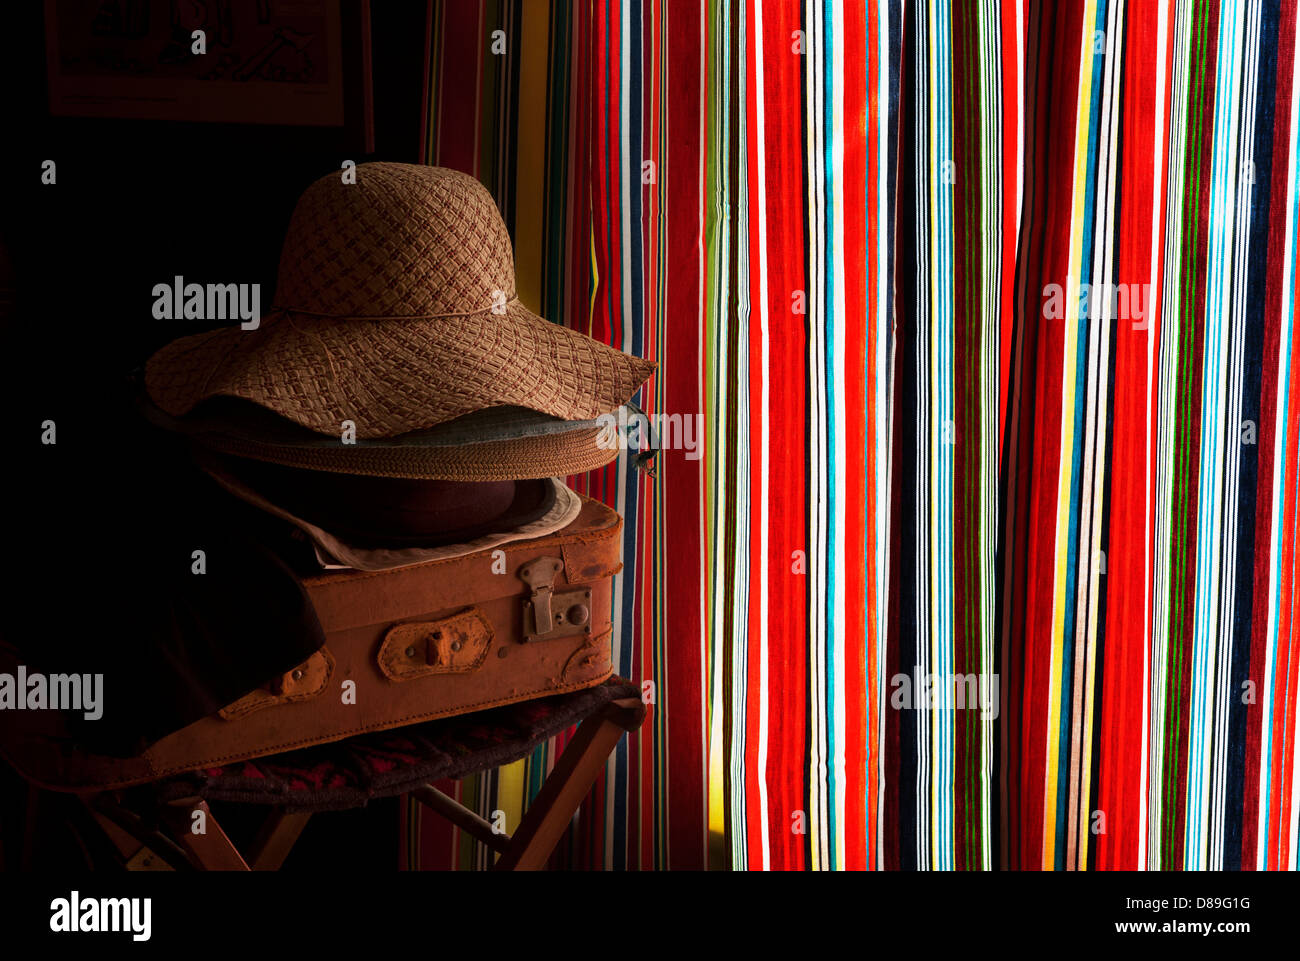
[{"x": 396, "y": 309}]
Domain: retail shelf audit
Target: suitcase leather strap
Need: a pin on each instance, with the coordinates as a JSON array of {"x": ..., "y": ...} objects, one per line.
[
  {"x": 302, "y": 683},
  {"x": 457, "y": 644}
]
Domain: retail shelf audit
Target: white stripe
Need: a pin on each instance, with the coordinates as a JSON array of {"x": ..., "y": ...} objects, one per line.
[
  {"x": 839, "y": 603},
  {"x": 764, "y": 461}
]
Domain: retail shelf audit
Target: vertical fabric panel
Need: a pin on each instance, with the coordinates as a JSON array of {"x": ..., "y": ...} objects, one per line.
[{"x": 972, "y": 542}]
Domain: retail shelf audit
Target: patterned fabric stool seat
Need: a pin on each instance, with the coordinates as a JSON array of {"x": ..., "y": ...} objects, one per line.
[{"x": 151, "y": 825}]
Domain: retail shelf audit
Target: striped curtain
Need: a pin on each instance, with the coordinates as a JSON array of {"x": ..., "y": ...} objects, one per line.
[{"x": 985, "y": 557}]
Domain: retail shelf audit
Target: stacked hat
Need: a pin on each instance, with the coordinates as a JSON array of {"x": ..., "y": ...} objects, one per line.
[{"x": 397, "y": 367}]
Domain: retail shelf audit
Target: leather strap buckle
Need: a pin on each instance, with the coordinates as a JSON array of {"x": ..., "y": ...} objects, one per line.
[{"x": 452, "y": 645}]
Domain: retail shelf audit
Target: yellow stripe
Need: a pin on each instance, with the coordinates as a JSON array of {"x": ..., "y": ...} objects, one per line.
[
  {"x": 585, "y": 326},
  {"x": 510, "y": 793},
  {"x": 530, "y": 175},
  {"x": 1065, "y": 485}
]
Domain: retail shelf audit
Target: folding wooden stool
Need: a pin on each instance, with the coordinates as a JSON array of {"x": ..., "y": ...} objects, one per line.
[{"x": 153, "y": 826}]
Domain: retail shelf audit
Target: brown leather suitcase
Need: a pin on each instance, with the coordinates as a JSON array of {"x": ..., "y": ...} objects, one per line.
[{"x": 521, "y": 621}]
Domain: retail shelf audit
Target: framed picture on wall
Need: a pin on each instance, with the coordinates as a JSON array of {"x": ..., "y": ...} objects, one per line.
[{"x": 301, "y": 62}]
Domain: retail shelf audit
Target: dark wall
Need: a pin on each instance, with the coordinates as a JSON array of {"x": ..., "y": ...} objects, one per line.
[{"x": 138, "y": 202}]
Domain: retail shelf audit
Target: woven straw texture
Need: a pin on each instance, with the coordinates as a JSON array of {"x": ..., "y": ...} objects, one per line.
[{"x": 395, "y": 310}]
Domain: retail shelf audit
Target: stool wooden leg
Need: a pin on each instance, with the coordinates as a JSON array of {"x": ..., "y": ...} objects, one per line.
[
  {"x": 574, "y": 774},
  {"x": 276, "y": 837},
  {"x": 130, "y": 827},
  {"x": 135, "y": 854},
  {"x": 143, "y": 847},
  {"x": 212, "y": 850},
  {"x": 462, "y": 817}
]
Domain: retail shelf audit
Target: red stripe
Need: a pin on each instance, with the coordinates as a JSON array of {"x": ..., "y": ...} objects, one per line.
[
  {"x": 871, "y": 427},
  {"x": 1287, "y": 680},
  {"x": 855, "y": 404},
  {"x": 680, "y": 479},
  {"x": 650, "y": 258},
  {"x": 787, "y": 702},
  {"x": 1119, "y": 779},
  {"x": 1268, "y": 407},
  {"x": 462, "y": 48}
]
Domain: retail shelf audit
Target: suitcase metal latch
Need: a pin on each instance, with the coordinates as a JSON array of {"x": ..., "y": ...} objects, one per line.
[{"x": 550, "y": 614}]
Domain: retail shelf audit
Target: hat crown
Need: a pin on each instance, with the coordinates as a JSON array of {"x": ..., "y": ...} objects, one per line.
[{"x": 404, "y": 240}]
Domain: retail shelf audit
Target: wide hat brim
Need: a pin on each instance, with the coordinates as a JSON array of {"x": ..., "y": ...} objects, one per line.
[
  {"x": 496, "y": 444},
  {"x": 528, "y": 458},
  {"x": 393, "y": 375}
]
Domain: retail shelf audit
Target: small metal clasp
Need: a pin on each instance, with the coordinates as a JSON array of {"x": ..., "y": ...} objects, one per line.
[{"x": 548, "y": 614}]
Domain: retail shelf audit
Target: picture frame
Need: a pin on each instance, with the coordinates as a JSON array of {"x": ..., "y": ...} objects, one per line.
[{"x": 291, "y": 62}]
